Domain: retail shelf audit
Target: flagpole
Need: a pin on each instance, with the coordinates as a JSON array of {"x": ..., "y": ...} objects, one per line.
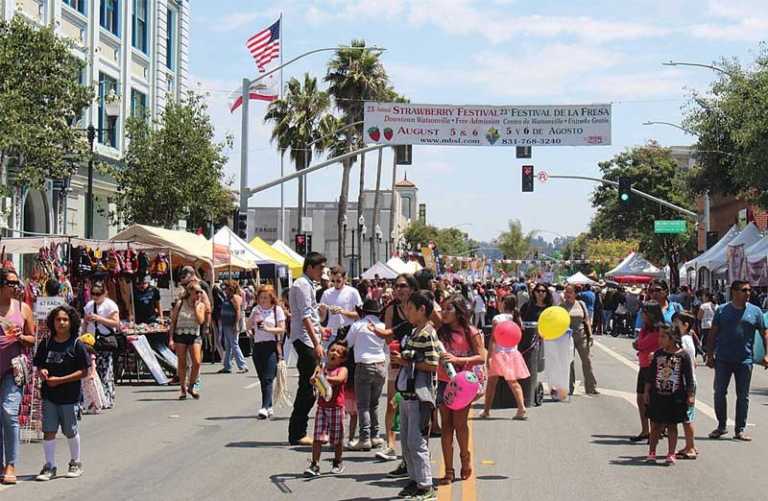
[{"x": 282, "y": 153}]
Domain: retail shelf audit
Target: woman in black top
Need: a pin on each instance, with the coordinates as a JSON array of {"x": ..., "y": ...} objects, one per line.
[{"x": 397, "y": 327}]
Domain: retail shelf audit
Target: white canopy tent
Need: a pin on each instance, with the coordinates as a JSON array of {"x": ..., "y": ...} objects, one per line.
[
  {"x": 635, "y": 265},
  {"x": 181, "y": 244},
  {"x": 721, "y": 244},
  {"x": 380, "y": 269},
  {"x": 580, "y": 279},
  {"x": 717, "y": 263},
  {"x": 240, "y": 248},
  {"x": 286, "y": 249},
  {"x": 400, "y": 266},
  {"x": 757, "y": 250}
]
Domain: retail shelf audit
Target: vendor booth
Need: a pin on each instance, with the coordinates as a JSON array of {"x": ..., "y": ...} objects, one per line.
[
  {"x": 296, "y": 268},
  {"x": 634, "y": 269},
  {"x": 580, "y": 279},
  {"x": 283, "y": 247},
  {"x": 714, "y": 265},
  {"x": 381, "y": 271},
  {"x": 239, "y": 251}
]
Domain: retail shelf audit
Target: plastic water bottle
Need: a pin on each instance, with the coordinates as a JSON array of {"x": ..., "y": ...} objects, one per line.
[{"x": 447, "y": 367}]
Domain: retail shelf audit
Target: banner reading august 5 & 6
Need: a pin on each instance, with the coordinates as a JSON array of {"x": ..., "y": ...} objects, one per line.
[{"x": 568, "y": 125}]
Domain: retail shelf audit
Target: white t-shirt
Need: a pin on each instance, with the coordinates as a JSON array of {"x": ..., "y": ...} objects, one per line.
[
  {"x": 708, "y": 313},
  {"x": 105, "y": 309},
  {"x": 479, "y": 303},
  {"x": 268, "y": 318},
  {"x": 369, "y": 348},
  {"x": 690, "y": 348},
  {"x": 347, "y": 298}
]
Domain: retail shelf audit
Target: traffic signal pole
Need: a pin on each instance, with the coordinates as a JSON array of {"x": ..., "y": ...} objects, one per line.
[{"x": 670, "y": 205}]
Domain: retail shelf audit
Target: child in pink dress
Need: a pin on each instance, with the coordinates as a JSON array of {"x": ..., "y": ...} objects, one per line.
[{"x": 506, "y": 362}]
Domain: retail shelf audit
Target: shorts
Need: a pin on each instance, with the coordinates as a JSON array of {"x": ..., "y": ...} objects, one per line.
[
  {"x": 645, "y": 375},
  {"x": 690, "y": 414},
  {"x": 188, "y": 339},
  {"x": 329, "y": 421},
  {"x": 64, "y": 415}
]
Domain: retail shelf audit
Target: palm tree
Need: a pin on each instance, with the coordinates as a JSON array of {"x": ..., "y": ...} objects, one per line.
[
  {"x": 296, "y": 118},
  {"x": 355, "y": 76}
]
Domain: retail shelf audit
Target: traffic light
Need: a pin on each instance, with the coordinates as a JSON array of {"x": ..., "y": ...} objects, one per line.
[
  {"x": 528, "y": 178},
  {"x": 300, "y": 244},
  {"x": 625, "y": 191},
  {"x": 241, "y": 224},
  {"x": 523, "y": 152}
]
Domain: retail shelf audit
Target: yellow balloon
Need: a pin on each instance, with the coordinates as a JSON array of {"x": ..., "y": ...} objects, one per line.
[{"x": 554, "y": 322}]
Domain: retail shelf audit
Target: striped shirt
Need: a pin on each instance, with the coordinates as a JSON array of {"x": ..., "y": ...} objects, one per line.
[{"x": 421, "y": 346}]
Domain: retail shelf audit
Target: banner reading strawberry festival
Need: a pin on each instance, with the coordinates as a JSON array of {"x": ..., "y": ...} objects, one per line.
[{"x": 435, "y": 124}]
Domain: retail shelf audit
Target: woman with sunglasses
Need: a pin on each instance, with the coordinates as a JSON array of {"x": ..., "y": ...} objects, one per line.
[
  {"x": 20, "y": 332},
  {"x": 646, "y": 344},
  {"x": 397, "y": 327},
  {"x": 188, "y": 315},
  {"x": 102, "y": 317}
]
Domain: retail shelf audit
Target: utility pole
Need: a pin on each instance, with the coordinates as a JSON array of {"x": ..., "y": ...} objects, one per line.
[{"x": 244, "y": 148}]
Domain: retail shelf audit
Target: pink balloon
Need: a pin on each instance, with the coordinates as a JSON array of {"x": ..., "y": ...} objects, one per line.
[
  {"x": 461, "y": 391},
  {"x": 507, "y": 334}
]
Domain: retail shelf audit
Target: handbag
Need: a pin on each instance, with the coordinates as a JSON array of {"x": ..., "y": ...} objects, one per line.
[
  {"x": 108, "y": 342},
  {"x": 21, "y": 370}
]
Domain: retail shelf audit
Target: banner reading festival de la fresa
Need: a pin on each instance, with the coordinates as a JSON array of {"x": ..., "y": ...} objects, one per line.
[{"x": 445, "y": 125}]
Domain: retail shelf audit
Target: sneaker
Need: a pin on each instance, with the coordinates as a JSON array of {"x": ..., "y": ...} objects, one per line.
[
  {"x": 361, "y": 445},
  {"x": 377, "y": 442},
  {"x": 409, "y": 490},
  {"x": 337, "y": 469},
  {"x": 270, "y": 413},
  {"x": 351, "y": 445},
  {"x": 400, "y": 472},
  {"x": 263, "y": 414},
  {"x": 75, "y": 470},
  {"x": 224, "y": 371},
  {"x": 312, "y": 471},
  {"x": 651, "y": 457},
  {"x": 388, "y": 454},
  {"x": 424, "y": 494},
  {"x": 47, "y": 473},
  {"x": 244, "y": 370}
]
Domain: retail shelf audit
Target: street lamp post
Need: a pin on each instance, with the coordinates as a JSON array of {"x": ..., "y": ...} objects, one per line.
[
  {"x": 91, "y": 132},
  {"x": 361, "y": 232},
  {"x": 377, "y": 236},
  {"x": 247, "y": 86}
]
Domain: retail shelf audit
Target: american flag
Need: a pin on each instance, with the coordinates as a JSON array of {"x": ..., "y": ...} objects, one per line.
[{"x": 264, "y": 46}]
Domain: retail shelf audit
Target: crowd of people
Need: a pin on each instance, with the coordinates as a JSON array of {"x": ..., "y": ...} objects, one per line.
[{"x": 353, "y": 342}]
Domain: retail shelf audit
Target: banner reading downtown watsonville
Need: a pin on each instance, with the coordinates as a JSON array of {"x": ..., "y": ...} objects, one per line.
[{"x": 435, "y": 124}]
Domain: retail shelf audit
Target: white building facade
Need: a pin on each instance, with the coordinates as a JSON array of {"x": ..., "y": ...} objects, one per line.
[{"x": 136, "y": 58}]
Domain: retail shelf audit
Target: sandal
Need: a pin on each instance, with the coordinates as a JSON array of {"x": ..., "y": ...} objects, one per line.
[
  {"x": 8, "y": 480},
  {"x": 183, "y": 396},
  {"x": 449, "y": 477},
  {"x": 520, "y": 417},
  {"x": 743, "y": 437},
  {"x": 685, "y": 455},
  {"x": 466, "y": 466},
  {"x": 194, "y": 394}
]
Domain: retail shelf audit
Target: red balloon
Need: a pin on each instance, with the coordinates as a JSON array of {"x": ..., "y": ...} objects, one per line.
[{"x": 507, "y": 334}]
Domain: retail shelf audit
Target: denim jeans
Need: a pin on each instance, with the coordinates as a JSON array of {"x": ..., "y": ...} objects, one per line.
[
  {"x": 305, "y": 397},
  {"x": 607, "y": 316},
  {"x": 414, "y": 438},
  {"x": 742, "y": 373},
  {"x": 265, "y": 361},
  {"x": 230, "y": 337},
  {"x": 369, "y": 381},
  {"x": 10, "y": 401}
]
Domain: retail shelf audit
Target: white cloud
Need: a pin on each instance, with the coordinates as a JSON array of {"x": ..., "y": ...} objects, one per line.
[
  {"x": 735, "y": 21},
  {"x": 637, "y": 85},
  {"x": 738, "y": 9},
  {"x": 478, "y": 18}
]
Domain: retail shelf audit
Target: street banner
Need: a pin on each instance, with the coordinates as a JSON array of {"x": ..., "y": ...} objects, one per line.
[
  {"x": 757, "y": 272},
  {"x": 458, "y": 125},
  {"x": 737, "y": 263}
]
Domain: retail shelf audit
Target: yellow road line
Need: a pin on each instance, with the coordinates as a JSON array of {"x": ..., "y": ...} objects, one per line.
[
  {"x": 469, "y": 487},
  {"x": 444, "y": 492}
]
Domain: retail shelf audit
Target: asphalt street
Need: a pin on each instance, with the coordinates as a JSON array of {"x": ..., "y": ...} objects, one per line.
[{"x": 154, "y": 447}]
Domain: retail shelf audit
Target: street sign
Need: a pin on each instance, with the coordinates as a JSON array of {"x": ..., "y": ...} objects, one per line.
[
  {"x": 523, "y": 152},
  {"x": 542, "y": 176},
  {"x": 670, "y": 226}
]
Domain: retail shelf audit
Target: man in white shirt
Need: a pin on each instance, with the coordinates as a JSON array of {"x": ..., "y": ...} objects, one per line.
[{"x": 342, "y": 302}]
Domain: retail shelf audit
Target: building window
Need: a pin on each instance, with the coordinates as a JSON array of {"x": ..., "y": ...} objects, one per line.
[
  {"x": 109, "y": 16},
  {"x": 138, "y": 104},
  {"x": 107, "y": 133},
  {"x": 170, "y": 39},
  {"x": 140, "y": 25},
  {"x": 78, "y": 5}
]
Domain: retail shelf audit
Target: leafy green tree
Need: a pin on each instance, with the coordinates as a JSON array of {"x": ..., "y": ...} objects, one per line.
[
  {"x": 513, "y": 242},
  {"x": 353, "y": 76},
  {"x": 732, "y": 130},
  {"x": 40, "y": 99},
  {"x": 449, "y": 241},
  {"x": 652, "y": 170},
  {"x": 173, "y": 169},
  {"x": 296, "y": 123}
]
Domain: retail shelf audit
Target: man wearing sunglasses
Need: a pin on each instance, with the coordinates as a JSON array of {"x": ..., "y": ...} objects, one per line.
[
  {"x": 658, "y": 291},
  {"x": 730, "y": 347},
  {"x": 341, "y": 301}
]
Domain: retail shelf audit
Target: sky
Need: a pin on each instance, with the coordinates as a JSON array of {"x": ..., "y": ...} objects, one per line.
[{"x": 494, "y": 52}]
